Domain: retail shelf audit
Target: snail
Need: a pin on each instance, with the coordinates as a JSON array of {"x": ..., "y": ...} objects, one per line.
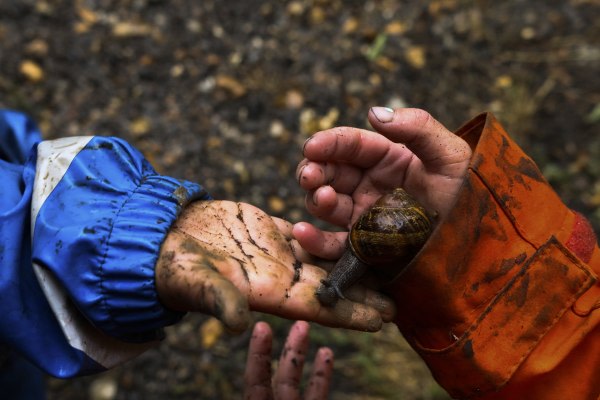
[{"x": 387, "y": 235}]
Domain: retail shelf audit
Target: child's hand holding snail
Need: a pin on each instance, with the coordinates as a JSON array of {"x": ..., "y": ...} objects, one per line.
[{"x": 346, "y": 170}]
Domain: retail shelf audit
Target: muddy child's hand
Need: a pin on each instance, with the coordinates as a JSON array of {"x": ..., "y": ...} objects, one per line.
[
  {"x": 346, "y": 169},
  {"x": 225, "y": 259}
]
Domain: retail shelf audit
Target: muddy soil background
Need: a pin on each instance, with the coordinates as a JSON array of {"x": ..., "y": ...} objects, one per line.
[{"x": 225, "y": 93}]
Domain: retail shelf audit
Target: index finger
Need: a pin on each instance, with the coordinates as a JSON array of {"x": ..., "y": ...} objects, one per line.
[
  {"x": 359, "y": 147},
  {"x": 366, "y": 310}
]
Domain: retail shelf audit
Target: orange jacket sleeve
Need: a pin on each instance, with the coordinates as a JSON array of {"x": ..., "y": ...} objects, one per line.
[{"x": 502, "y": 302}]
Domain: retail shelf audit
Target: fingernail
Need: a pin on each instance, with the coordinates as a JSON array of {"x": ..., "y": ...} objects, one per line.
[
  {"x": 299, "y": 177},
  {"x": 304, "y": 145},
  {"x": 383, "y": 114}
]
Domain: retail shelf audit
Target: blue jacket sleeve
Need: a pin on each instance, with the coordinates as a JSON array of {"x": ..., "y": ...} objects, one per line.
[{"x": 82, "y": 220}]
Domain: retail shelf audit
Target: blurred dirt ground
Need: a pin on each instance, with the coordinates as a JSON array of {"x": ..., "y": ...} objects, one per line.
[{"x": 225, "y": 93}]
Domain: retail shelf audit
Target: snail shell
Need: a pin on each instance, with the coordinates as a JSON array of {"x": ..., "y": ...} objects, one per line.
[
  {"x": 395, "y": 227},
  {"x": 385, "y": 237}
]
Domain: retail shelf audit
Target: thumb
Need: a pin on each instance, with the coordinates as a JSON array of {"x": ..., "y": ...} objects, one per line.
[
  {"x": 426, "y": 137},
  {"x": 186, "y": 280}
]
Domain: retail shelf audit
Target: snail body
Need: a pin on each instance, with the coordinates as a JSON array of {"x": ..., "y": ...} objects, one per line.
[{"x": 385, "y": 237}]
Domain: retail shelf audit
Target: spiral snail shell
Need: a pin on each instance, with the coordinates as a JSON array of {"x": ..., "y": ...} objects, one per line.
[{"x": 385, "y": 237}]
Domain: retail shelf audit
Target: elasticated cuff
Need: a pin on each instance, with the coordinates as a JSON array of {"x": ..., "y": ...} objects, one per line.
[{"x": 131, "y": 309}]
